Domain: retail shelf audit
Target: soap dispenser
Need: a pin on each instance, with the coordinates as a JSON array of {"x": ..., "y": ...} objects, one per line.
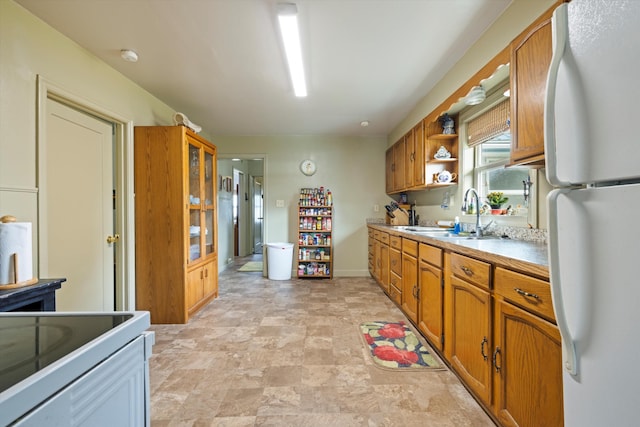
[{"x": 456, "y": 225}]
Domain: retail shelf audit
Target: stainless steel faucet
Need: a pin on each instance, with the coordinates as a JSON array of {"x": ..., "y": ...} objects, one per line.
[{"x": 465, "y": 208}]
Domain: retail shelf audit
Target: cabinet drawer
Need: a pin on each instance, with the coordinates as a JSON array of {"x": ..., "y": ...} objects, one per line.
[
  {"x": 395, "y": 261},
  {"x": 395, "y": 294},
  {"x": 530, "y": 293},
  {"x": 395, "y": 242},
  {"x": 410, "y": 247},
  {"x": 471, "y": 270},
  {"x": 431, "y": 255},
  {"x": 395, "y": 281},
  {"x": 383, "y": 237}
]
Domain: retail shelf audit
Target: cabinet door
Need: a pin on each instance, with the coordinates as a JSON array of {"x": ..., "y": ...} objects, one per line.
[
  {"x": 210, "y": 284},
  {"x": 530, "y": 59},
  {"x": 418, "y": 155},
  {"x": 395, "y": 262},
  {"x": 194, "y": 163},
  {"x": 383, "y": 274},
  {"x": 398, "y": 161},
  {"x": 389, "y": 170},
  {"x": 430, "y": 303},
  {"x": 195, "y": 286},
  {"x": 372, "y": 255},
  {"x": 468, "y": 343},
  {"x": 410, "y": 287},
  {"x": 376, "y": 260},
  {"x": 209, "y": 200},
  {"x": 201, "y": 170},
  {"x": 527, "y": 370},
  {"x": 409, "y": 159}
]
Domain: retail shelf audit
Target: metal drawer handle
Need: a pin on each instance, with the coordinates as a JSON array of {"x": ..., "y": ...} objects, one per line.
[
  {"x": 495, "y": 356},
  {"x": 526, "y": 294},
  {"x": 415, "y": 291},
  {"x": 467, "y": 270},
  {"x": 484, "y": 341}
]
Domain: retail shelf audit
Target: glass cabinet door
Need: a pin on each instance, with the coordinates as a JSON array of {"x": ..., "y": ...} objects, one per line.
[
  {"x": 195, "y": 203},
  {"x": 209, "y": 201}
]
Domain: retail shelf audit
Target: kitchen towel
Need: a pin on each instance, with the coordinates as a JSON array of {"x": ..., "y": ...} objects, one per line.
[{"x": 15, "y": 240}]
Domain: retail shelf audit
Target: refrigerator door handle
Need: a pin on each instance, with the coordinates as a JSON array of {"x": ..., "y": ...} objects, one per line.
[
  {"x": 560, "y": 27},
  {"x": 569, "y": 357}
]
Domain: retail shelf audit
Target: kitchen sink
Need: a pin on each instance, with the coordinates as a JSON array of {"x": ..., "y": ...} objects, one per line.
[
  {"x": 462, "y": 236},
  {"x": 422, "y": 229}
]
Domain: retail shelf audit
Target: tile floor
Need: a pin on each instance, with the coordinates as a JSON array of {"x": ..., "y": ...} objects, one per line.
[{"x": 288, "y": 353}]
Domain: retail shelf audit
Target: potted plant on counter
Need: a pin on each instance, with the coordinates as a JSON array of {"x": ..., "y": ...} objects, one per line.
[{"x": 496, "y": 199}]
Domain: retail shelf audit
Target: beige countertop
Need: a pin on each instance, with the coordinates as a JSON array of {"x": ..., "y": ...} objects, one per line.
[{"x": 529, "y": 257}]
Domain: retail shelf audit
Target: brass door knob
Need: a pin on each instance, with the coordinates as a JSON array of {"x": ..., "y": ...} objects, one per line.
[{"x": 113, "y": 239}]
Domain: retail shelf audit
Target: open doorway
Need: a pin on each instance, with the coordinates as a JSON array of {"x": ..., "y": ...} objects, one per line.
[{"x": 241, "y": 214}]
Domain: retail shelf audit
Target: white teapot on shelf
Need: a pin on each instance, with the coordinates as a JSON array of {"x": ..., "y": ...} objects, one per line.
[{"x": 445, "y": 177}]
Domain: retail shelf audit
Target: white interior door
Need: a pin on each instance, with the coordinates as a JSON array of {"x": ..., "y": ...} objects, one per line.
[{"x": 79, "y": 208}]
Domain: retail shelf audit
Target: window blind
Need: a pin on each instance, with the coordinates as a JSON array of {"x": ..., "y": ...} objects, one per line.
[{"x": 489, "y": 124}]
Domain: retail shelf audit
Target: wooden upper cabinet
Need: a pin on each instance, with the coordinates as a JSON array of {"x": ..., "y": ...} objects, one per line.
[
  {"x": 389, "y": 170},
  {"x": 399, "y": 164},
  {"x": 409, "y": 159},
  {"x": 418, "y": 155},
  {"x": 530, "y": 58}
]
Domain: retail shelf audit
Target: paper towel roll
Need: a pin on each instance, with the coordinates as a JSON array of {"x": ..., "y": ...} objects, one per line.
[{"x": 15, "y": 239}]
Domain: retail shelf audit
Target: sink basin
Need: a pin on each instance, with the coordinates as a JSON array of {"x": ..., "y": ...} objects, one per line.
[
  {"x": 424, "y": 229},
  {"x": 449, "y": 235}
]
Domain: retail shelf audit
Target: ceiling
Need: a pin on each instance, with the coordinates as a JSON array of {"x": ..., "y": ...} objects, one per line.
[{"x": 221, "y": 62}]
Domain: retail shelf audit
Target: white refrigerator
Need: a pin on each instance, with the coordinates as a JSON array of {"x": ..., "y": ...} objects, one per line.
[{"x": 592, "y": 149}]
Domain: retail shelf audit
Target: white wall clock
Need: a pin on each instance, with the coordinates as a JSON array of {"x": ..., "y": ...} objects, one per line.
[{"x": 308, "y": 167}]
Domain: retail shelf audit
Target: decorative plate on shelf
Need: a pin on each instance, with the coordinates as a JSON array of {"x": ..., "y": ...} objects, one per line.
[{"x": 442, "y": 153}]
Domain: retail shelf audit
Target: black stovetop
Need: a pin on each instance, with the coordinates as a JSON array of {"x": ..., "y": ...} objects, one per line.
[{"x": 30, "y": 343}]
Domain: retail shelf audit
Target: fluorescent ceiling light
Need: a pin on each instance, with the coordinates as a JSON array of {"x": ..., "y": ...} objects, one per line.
[{"x": 288, "y": 20}]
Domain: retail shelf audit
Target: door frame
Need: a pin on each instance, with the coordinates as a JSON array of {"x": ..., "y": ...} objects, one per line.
[
  {"x": 254, "y": 156},
  {"x": 123, "y": 177},
  {"x": 253, "y": 185}
]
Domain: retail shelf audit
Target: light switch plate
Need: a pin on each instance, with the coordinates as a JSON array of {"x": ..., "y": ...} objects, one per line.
[{"x": 279, "y": 203}]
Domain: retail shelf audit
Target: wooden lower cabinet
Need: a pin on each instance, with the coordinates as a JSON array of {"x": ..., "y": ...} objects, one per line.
[
  {"x": 379, "y": 266},
  {"x": 202, "y": 286},
  {"x": 383, "y": 274},
  {"x": 527, "y": 370},
  {"x": 395, "y": 273},
  {"x": 493, "y": 325},
  {"x": 468, "y": 335},
  {"x": 431, "y": 295},
  {"x": 410, "y": 279}
]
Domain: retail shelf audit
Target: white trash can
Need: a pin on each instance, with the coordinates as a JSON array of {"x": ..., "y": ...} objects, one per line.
[{"x": 279, "y": 260}]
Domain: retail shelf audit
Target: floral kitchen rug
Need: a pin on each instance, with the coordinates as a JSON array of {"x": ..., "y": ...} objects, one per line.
[{"x": 395, "y": 346}]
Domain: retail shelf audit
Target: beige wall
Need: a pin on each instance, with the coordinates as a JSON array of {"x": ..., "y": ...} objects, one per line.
[
  {"x": 519, "y": 15},
  {"x": 353, "y": 168},
  {"x": 29, "y": 48}
]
